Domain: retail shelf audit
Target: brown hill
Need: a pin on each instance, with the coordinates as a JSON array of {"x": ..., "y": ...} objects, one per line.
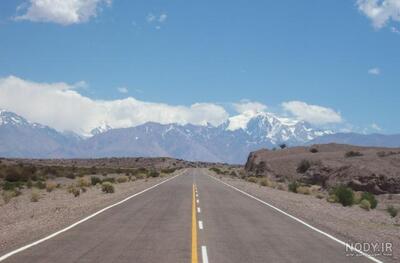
[{"x": 376, "y": 170}]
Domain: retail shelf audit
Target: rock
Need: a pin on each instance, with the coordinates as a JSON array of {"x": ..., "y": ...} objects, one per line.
[{"x": 368, "y": 172}]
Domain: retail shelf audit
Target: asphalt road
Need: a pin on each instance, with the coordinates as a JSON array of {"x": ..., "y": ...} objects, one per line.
[{"x": 160, "y": 225}]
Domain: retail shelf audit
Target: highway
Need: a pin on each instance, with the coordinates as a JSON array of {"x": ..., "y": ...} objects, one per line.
[{"x": 190, "y": 218}]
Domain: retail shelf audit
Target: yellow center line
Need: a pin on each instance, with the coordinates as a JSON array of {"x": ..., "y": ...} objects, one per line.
[{"x": 194, "y": 228}]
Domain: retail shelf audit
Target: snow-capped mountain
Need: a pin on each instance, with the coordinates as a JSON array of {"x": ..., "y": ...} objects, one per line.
[
  {"x": 229, "y": 142},
  {"x": 100, "y": 129},
  {"x": 264, "y": 127},
  {"x": 22, "y": 138},
  {"x": 10, "y": 118}
]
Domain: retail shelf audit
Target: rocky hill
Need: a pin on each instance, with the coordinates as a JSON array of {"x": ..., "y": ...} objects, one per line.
[{"x": 376, "y": 170}]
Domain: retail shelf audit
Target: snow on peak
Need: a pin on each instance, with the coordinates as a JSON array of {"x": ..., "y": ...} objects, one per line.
[
  {"x": 100, "y": 129},
  {"x": 7, "y": 117},
  {"x": 240, "y": 121}
]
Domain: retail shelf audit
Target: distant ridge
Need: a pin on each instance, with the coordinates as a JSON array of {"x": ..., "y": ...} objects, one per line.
[{"x": 229, "y": 142}]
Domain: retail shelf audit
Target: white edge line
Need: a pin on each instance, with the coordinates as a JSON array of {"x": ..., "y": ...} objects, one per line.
[
  {"x": 200, "y": 225},
  {"x": 198, "y": 210},
  {"x": 82, "y": 220},
  {"x": 204, "y": 255},
  {"x": 298, "y": 220}
]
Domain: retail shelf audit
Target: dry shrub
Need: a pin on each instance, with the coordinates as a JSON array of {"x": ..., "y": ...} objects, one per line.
[
  {"x": 280, "y": 186},
  {"x": 305, "y": 190},
  {"x": 365, "y": 204},
  {"x": 72, "y": 189},
  {"x": 84, "y": 182},
  {"x": 108, "y": 188},
  {"x": 252, "y": 179},
  {"x": 8, "y": 195},
  {"x": 122, "y": 179},
  {"x": 357, "y": 197},
  {"x": 50, "y": 186},
  {"x": 35, "y": 196},
  {"x": 264, "y": 182}
]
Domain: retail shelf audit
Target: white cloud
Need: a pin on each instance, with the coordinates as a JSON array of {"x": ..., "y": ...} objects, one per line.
[
  {"x": 123, "y": 90},
  {"x": 249, "y": 106},
  {"x": 163, "y": 17},
  {"x": 59, "y": 105},
  {"x": 156, "y": 19},
  {"x": 374, "y": 71},
  {"x": 376, "y": 127},
  {"x": 64, "y": 12},
  {"x": 150, "y": 18},
  {"x": 380, "y": 11},
  {"x": 313, "y": 114}
]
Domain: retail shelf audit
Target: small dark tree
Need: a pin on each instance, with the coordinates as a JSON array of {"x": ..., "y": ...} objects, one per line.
[{"x": 282, "y": 145}]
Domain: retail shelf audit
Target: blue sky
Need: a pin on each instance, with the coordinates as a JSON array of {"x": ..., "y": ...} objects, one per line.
[{"x": 335, "y": 54}]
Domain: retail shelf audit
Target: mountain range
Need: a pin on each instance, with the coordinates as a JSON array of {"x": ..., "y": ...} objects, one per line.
[{"x": 229, "y": 142}]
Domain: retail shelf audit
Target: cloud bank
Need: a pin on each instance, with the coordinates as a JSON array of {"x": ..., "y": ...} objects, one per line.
[
  {"x": 246, "y": 106},
  {"x": 380, "y": 11},
  {"x": 313, "y": 114},
  {"x": 59, "y": 105},
  {"x": 64, "y": 12}
]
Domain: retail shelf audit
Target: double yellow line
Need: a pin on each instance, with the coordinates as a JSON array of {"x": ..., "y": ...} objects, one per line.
[{"x": 194, "y": 228}]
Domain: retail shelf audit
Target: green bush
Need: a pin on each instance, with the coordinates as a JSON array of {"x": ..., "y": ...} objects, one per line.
[
  {"x": 344, "y": 195},
  {"x": 95, "y": 180},
  {"x": 11, "y": 186},
  {"x": 107, "y": 187},
  {"x": 293, "y": 186},
  {"x": 371, "y": 198},
  {"x": 392, "y": 211},
  {"x": 303, "y": 166},
  {"x": 350, "y": 154},
  {"x": 365, "y": 204}
]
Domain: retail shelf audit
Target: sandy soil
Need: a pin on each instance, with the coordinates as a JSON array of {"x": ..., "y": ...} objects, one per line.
[
  {"x": 23, "y": 221},
  {"x": 347, "y": 223}
]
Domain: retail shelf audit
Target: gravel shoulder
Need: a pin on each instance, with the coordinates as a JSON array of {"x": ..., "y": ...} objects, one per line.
[
  {"x": 350, "y": 224},
  {"x": 23, "y": 221}
]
